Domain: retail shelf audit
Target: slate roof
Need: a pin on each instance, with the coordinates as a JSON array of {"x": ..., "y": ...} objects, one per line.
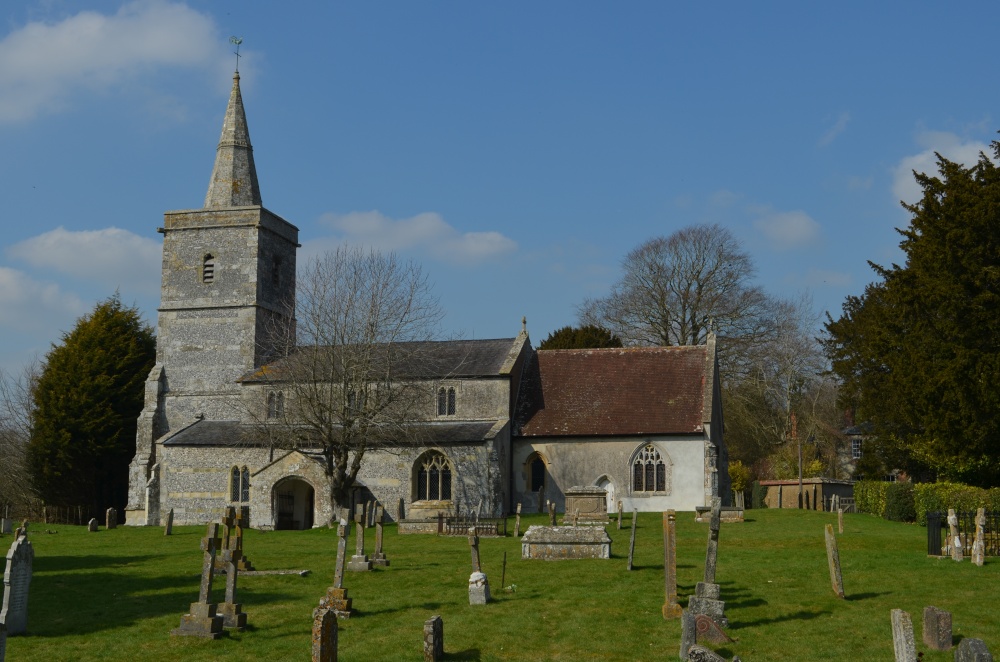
[
  {"x": 234, "y": 433},
  {"x": 420, "y": 360},
  {"x": 629, "y": 391}
]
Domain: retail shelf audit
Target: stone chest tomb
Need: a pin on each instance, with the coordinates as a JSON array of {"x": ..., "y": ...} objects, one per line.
[
  {"x": 565, "y": 542},
  {"x": 589, "y": 502}
]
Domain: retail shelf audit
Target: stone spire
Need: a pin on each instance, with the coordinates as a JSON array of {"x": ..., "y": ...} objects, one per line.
[{"x": 234, "y": 177}]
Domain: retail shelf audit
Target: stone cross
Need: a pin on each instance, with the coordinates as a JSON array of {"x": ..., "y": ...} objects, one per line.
[
  {"x": 233, "y": 617},
  {"x": 517, "y": 521},
  {"x": 479, "y": 585},
  {"x": 833, "y": 560},
  {"x": 338, "y": 576},
  {"x": 378, "y": 558},
  {"x": 169, "y": 528},
  {"x": 631, "y": 543},
  {"x": 202, "y": 620},
  {"x": 903, "y": 645},
  {"x": 979, "y": 544},
  {"x": 324, "y": 635},
  {"x": 336, "y": 596},
  {"x": 16, "y": 581},
  {"x": 954, "y": 540},
  {"x": 433, "y": 639},
  {"x": 228, "y": 521},
  {"x": 474, "y": 546},
  {"x": 552, "y": 514},
  {"x": 671, "y": 608},
  {"x": 359, "y": 562},
  {"x": 209, "y": 545},
  {"x": 937, "y": 629},
  {"x": 620, "y": 513}
]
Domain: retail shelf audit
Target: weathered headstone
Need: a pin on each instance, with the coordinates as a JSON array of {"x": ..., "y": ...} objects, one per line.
[
  {"x": 479, "y": 585},
  {"x": 701, "y": 654},
  {"x": 840, "y": 520},
  {"x": 631, "y": 542},
  {"x": 620, "y": 513},
  {"x": 979, "y": 543},
  {"x": 708, "y": 630},
  {"x": 169, "y": 528},
  {"x": 324, "y": 635},
  {"x": 16, "y": 582},
  {"x": 972, "y": 650},
  {"x": 937, "y": 628},
  {"x": 671, "y": 608},
  {"x": 517, "y": 521},
  {"x": 111, "y": 519},
  {"x": 552, "y": 514},
  {"x": 706, "y": 593},
  {"x": 833, "y": 560},
  {"x": 903, "y": 645},
  {"x": 359, "y": 562},
  {"x": 203, "y": 621},
  {"x": 336, "y": 596},
  {"x": 954, "y": 540},
  {"x": 92, "y": 525},
  {"x": 6, "y": 525},
  {"x": 433, "y": 639},
  {"x": 379, "y": 558},
  {"x": 689, "y": 632}
]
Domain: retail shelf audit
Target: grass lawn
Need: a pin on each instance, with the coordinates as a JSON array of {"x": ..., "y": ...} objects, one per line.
[{"x": 115, "y": 595}]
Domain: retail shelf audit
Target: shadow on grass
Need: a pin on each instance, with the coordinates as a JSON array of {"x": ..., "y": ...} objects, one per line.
[
  {"x": 796, "y": 616},
  {"x": 470, "y": 654},
  {"x": 57, "y": 564},
  {"x": 865, "y": 596}
]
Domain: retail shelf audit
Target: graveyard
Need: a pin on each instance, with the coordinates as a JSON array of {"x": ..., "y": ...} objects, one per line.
[{"x": 118, "y": 594}]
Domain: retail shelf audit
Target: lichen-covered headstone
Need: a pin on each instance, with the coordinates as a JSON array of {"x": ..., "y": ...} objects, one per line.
[
  {"x": 833, "y": 560},
  {"x": 324, "y": 635},
  {"x": 972, "y": 650},
  {"x": 903, "y": 644},
  {"x": 689, "y": 632},
  {"x": 620, "y": 513},
  {"x": 937, "y": 628},
  {"x": 379, "y": 558},
  {"x": 671, "y": 607},
  {"x": 433, "y": 639},
  {"x": 16, "y": 582},
  {"x": 979, "y": 544}
]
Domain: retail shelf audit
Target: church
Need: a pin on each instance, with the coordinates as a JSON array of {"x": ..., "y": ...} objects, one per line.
[{"x": 504, "y": 423}]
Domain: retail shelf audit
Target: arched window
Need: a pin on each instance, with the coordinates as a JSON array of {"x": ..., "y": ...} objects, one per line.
[
  {"x": 451, "y": 402},
  {"x": 536, "y": 473},
  {"x": 275, "y": 404},
  {"x": 208, "y": 268},
  {"x": 239, "y": 485},
  {"x": 433, "y": 478},
  {"x": 446, "y": 401},
  {"x": 649, "y": 471}
]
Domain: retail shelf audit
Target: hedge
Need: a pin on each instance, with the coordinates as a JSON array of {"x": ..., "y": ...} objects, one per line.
[
  {"x": 929, "y": 497},
  {"x": 870, "y": 496},
  {"x": 899, "y": 502}
]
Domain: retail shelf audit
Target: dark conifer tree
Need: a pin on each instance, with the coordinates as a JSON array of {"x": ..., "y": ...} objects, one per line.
[{"x": 588, "y": 336}]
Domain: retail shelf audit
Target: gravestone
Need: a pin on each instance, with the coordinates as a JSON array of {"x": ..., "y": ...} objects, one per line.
[
  {"x": 369, "y": 515},
  {"x": 937, "y": 628},
  {"x": 479, "y": 585},
  {"x": 359, "y": 562},
  {"x": 552, "y": 514},
  {"x": 5, "y": 525},
  {"x": 979, "y": 544},
  {"x": 233, "y": 617},
  {"x": 701, "y": 654},
  {"x": 689, "y": 632},
  {"x": 92, "y": 525},
  {"x": 202, "y": 620},
  {"x": 111, "y": 519},
  {"x": 433, "y": 639},
  {"x": 631, "y": 542},
  {"x": 833, "y": 560},
  {"x": 620, "y": 513},
  {"x": 336, "y": 596},
  {"x": 903, "y": 645},
  {"x": 840, "y": 520},
  {"x": 232, "y": 538},
  {"x": 324, "y": 635},
  {"x": 16, "y": 582},
  {"x": 378, "y": 558},
  {"x": 671, "y": 607},
  {"x": 954, "y": 540},
  {"x": 706, "y": 593},
  {"x": 588, "y": 505},
  {"x": 972, "y": 650},
  {"x": 169, "y": 528},
  {"x": 517, "y": 521},
  {"x": 708, "y": 630}
]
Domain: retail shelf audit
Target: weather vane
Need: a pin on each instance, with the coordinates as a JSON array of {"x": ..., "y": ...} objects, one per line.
[{"x": 236, "y": 41}]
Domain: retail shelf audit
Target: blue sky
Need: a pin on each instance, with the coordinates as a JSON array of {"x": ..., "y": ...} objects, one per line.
[{"x": 517, "y": 150}]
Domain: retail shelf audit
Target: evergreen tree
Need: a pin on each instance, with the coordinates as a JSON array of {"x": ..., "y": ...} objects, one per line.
[
  {"x": 588, "y": 336},
  {"x": 919, "y": 351},
  {"x": 86, "y": 403}
]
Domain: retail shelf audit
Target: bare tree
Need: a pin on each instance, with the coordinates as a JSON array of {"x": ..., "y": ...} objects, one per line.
[
  {"x": 676, "y": 289},
  {"x": 363, "y": 323},
  {"x": 15, "y": 429}
]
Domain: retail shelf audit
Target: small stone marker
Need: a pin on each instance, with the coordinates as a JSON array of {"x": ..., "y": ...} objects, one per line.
[
  {"x": 689, "y": 632},
  {"x": 359, "y": 562},
  {"x": 479, "y": 585},
  {"x": 324, "y": 635},
  {"x": 552, "y": 514},
  {"x": 111, "y": 519},
  {"x": 671, "y": 608},
  {"x": 92, "y": 525},
  {"x": 336, "y": 596},
  {"x": 954, "y": 540},
  {"x": 937, "y": 628},
  {"x": 840, "y": 520},
  {"x": 169, "y": 528},
  {"x": 5, "y": 525},
  {"x": 620, "y": 513},
  {"x": 902, "y": 636},
  {"x": 517, "y": 521},
  {"x": 631, "y": 542},
  {"x": 701, "y": 654},
  {"x": 706, "y": 595},
  {"x": 833, "y": 560},
  {"x": 972, "y": 650},
  {"x": 16, "y": 582},
  {"x": 433, "y": 639},
  {"x": 979, "y": 544},
  {"x": 708, "y": 630},
  {"x": 378, "y": 558},
  {"x": 203, "y": 621}
]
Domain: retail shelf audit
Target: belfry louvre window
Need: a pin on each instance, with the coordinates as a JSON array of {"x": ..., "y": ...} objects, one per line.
[
  {"x": 208, "y": 269},
  {"x": 446, "y": 401},
  {"x": 649, "y": 472},
  {"x": 434, "y": 478}
]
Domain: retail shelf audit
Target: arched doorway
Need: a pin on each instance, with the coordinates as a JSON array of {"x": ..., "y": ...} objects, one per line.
[
  {"x": 293, "y": 502},
  {"x": 609, "y": 488}
]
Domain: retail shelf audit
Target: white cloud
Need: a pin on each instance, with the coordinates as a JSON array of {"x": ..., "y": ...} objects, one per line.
[
  {"x": 29, "y": 305},
  {"x": 42, "y": 65},
  {"x": 787, "y": 230},
  {"x": 425, "y": 233},
  {"x": 835, "y": 130},
  {"x": 112, "y": 257},
  {"x": 950, "y": 146}
]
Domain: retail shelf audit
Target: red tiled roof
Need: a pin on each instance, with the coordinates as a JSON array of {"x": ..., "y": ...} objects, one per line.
[{"x": 638, "y": 390}]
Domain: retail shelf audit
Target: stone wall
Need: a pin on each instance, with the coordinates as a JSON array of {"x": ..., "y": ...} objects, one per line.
[{"x": 194, "y": 481}]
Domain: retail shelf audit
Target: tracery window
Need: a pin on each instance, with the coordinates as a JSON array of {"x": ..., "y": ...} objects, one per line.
[
  {"x": 434, "y": 478},
  {"x": 239, "y": 485},
  {"x": 649, "y": 471},
  {"x": 208, "y": 268},
  {"x": 446, "y": 401}
]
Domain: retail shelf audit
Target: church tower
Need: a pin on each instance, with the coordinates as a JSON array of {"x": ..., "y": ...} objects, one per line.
[{"x": 226, "y": 302}]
